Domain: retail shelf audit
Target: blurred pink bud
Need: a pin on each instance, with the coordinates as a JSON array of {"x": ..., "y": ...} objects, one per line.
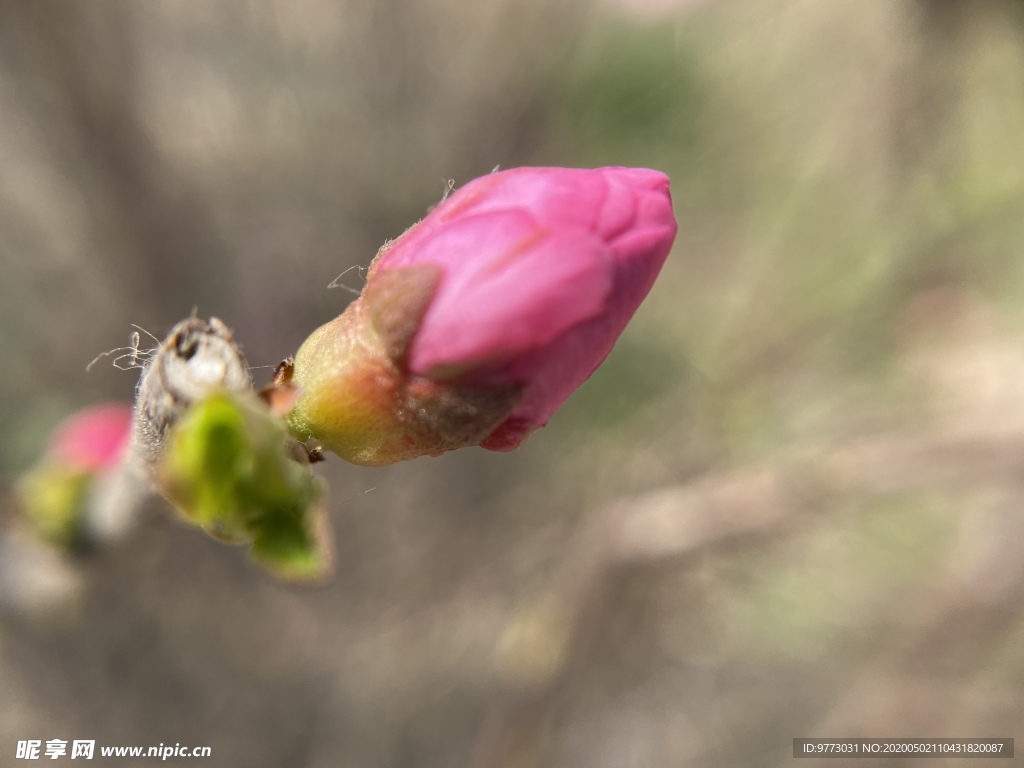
[
  {"x": 93, "y": 439},
  {"x": 83, "y": 452},
  {"x": 479, "y": 322}
]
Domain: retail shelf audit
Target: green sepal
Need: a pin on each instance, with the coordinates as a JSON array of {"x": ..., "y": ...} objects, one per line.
[
  {"x": 232, "y": 470},
  {"x": 53, "y": 498}
]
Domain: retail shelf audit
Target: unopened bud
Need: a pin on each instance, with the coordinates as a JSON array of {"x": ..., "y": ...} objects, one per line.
[{"x": 479, "y": 322}]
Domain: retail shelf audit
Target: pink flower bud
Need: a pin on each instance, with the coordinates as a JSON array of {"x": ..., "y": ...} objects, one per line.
[
  {"x": 93, "y": 439},
  {"x": 83, "y": 452},
  {"x": 479, "y": 322}
]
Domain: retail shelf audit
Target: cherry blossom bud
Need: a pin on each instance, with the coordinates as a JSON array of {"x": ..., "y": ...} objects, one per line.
[
  {"x": 84, "y": 451},
  {"x": 481, "y": 320}
]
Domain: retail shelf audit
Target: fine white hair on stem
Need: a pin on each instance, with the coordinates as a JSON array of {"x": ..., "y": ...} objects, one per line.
[
  {"x": 336, "y": 284},
  {"x": 449, "y": 185},
  {"x": 138, "y": 327},
  {"x": 355, "y": 496},
  {"x": 131, "y": 352}
]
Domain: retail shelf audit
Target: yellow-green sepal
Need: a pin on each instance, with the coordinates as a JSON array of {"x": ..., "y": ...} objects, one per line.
[{"x": 232, "y": 470}]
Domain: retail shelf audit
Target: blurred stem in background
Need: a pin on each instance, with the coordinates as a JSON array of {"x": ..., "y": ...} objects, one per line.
[{"x": 82, "y": 67}]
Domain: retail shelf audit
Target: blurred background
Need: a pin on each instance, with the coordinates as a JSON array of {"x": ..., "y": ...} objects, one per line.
[{"x": 790, "y": 504}]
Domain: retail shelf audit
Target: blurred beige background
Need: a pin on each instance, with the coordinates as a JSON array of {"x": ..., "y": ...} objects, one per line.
[{"x": 791, "y": 502}]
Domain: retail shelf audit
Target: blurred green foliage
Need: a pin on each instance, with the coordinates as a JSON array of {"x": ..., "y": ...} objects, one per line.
[{"x": 53, "y": 498}]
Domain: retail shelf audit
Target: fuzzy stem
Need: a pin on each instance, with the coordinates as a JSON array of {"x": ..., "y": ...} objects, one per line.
[{"x": 195, "y": 358}]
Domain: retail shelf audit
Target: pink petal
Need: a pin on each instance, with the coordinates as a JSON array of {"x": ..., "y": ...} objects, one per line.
[
  {"x": 93, "y": 439},
  {"x": 508, "y": 287}
]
